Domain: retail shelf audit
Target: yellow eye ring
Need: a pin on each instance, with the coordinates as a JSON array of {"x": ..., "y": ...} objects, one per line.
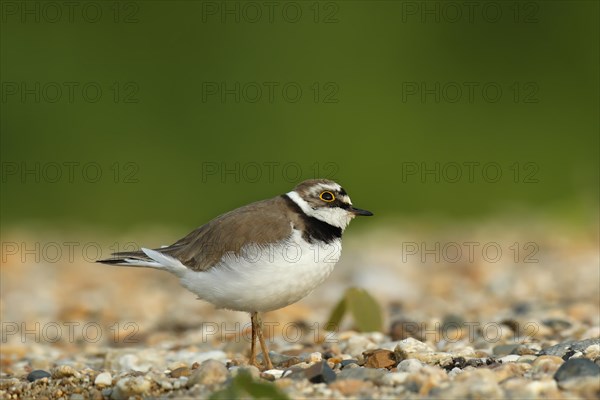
[{"x": 327, "y": 196}]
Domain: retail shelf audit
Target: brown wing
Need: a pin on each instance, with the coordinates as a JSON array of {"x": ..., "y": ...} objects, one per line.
[{"x": 262, "y": 222}]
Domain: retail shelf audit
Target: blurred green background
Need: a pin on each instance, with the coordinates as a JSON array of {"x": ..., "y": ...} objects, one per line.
[{"x": 170, "y": 112}]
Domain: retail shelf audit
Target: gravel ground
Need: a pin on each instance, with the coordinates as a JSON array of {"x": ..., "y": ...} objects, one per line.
[{"x": 479, "y": 327}]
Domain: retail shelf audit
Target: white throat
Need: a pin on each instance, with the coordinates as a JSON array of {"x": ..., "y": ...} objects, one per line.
[{"x": 333, "y": 216}]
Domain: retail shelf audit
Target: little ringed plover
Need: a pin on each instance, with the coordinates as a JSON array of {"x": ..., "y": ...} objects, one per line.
[{"x": 259, "y": 257}]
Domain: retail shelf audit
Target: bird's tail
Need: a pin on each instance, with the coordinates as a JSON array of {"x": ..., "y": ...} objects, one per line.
[{"x": 146, "y": 258}]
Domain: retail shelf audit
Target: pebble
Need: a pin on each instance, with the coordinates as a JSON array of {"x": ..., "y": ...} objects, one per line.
[
  {"x": 592, "y": 352},
  {"x": 408, "y": 346},
  {"x": 210, "y": 372},
  {"x": 527, "y": 349},
  {"x": 509, "y": 358},
  {"x": 527, "y": 359},
  {"x": 505, "y": 371},
  {"x": 63, "y": 371},
  {"x": 379, "y": 358},
  {"x": 477, "y": 384},
  {"x": 563, "y": 348},
  {"x": 547, "y": 387},
  {"x": 315, "y": 357},
  {"x": 409, "y": 365},
  {"x": 348, "y": 363},
  {"x": 504, "y": 349},
  {"x": 352, "y": 388},
  {"x": 130, "y": 386},
  {"x": 37, "y": 374},
  {"x": 545, "y": 365},
  {"x": 433, "y": 358},
  {"x": 103, "y": 379},
  {"x": 363, "y": 374},
  {"x": 424, "y": 381},
  {"x": 576, "y": 368},
  {"x": 394, "y": 378},
  {"x": 181, "y": 371},
  {"x": 404, "y": 329},
  {"x": 276, "y": 373},
  {"x": 281, "y": 360},
  {"x": 320, "y": 372},
  {"x": 557, "y": 324}
]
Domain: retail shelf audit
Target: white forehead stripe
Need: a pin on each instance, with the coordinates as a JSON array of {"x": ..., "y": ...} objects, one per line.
[
  {"x": 325, "y": 186},
  {"x": 300, "y": 202}
]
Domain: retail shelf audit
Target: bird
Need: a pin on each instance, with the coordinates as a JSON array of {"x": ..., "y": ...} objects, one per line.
[{"x": 260, "y": 257}]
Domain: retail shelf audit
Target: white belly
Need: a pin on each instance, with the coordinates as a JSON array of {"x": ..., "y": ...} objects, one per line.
[{"x": 265, "y": 278}]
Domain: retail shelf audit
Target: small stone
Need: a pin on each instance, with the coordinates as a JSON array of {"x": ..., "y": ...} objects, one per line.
[
  {"x": 426, "y": 380},
  {"x": 318, "y": 373},
  {"x": 455, "y": 363},
  {"x": 315, "y": 357},
  {"x": 546, "y": 365},
  {"x": 404, "y": 329},
  {"x": 364, "y": 374},
  {"x": 379, "y": 358},
  {"x": 527, "y": 349},
  {"x": 103, "y": 379},
  {"x": 409, "y": 346},
  {"x": 563, "y": 348},
  {"x": 335, "y": 359},
  {"x": 557, "y": 324},
  {"x": 592, "y": 352},
  {"x": 512, "y": 369},
  {"x": 165, "y": 384},
  {"x": 475, "y": 384},
  {"x": 176, "y": 364},
  {"x": 452, "y": 321},
  {"x": 576, "y": 368},
  {"x": 527, "y": 359},
  {"x": 434, "y": 358},
  {"x": 587, "y": 387},
  {"x": 281, "y": 360},
  {"x": 409, "y": 365},
  {"x": 209, "y": 372},
  {"x": 181, "y": 371},
  {"x": 546, "y": 386},
  {"x": 504, "y": 349},
  {"x": 130, "y": 386},
  {"x": 394, "y": 378},
  {"x": 63, "y": 371},
  {"x": 275, "y": 373},
  {"x": 349, "y": 363},
  {"x": 37, "y": 374},
  {"x": 351, "y": 388},
  {"x": 475, "y": 362},
  {"x": 509, "y": 358},
  {"x": 76, "y": 396}
]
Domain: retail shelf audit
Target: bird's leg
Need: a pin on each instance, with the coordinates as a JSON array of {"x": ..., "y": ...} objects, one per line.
[
  {"x": 257, "y": 322},
  {"x": 253, "y": 343}
]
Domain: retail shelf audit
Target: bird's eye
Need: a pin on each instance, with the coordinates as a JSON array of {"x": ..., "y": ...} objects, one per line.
[{"x": 327, "y": 196}]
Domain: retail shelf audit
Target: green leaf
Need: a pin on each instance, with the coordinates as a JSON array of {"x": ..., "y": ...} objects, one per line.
[
  {"x": 336, "y": 315},
  {"x": 364, "y": 309},
  {"x": 243, "y": 386}
]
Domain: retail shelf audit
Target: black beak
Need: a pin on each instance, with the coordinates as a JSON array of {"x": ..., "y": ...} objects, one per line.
[{"x": 358, "y": 211}]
